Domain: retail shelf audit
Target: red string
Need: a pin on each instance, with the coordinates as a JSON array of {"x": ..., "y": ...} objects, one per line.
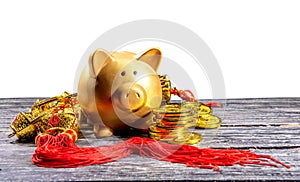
[
  {"x": 213, "y": 104},
  {"x": 184, "y": 94},
  {"x": 61, "y": 151},
  {"x": 189, "y": 96}
]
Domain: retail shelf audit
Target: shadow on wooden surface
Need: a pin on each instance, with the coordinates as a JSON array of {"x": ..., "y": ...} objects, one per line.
[{"x": 265, "y": 126}]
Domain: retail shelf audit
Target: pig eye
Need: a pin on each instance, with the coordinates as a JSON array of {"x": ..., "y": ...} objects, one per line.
[
  {"x": 134, "y": 72},
  {"x": 123, "y": 73}
]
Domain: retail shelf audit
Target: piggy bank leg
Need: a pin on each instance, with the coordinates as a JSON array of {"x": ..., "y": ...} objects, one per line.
[
  {"x": 83, "y": 121},
  {"x": 102, "y": 131}
]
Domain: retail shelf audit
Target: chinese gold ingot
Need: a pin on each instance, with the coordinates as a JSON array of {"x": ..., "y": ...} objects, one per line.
[
  {"x": 118, "y": 90},
  {"x": 26, "y": 126}
]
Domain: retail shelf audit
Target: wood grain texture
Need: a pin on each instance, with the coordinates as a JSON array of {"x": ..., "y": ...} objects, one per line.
[{"x": 265, "y": 126}]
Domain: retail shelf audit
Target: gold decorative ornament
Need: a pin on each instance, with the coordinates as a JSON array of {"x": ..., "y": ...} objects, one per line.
[
  {"x": 61, "y": 111},
  {"x": 165, "y": 88}
]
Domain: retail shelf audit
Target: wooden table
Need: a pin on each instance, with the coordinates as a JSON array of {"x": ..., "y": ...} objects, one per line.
[{"x": 266, "y": 126}]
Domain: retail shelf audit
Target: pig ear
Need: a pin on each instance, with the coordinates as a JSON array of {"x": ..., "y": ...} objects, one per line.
[
  {"x": 97, "y": 60},
  {"x": 151, "y": 57}
]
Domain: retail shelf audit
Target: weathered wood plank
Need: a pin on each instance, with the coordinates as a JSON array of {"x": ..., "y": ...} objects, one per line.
[
  {"x": 135, "y": 167},
  {"x": 266, "y": 111},
  {"x": 257, "y": 124}
]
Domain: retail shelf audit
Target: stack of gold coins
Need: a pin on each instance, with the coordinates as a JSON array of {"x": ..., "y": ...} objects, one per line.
[
  {"x": 203, "y": 115},
  {"x": 171, "y": 123}
]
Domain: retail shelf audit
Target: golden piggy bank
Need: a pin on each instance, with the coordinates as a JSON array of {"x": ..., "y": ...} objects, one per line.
[{"x": 118, "y": 90}]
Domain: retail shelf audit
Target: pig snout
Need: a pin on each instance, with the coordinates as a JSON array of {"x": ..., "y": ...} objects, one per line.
[
  {"x": 131, "y": 97},
  {"x": 135, "y": 98}
]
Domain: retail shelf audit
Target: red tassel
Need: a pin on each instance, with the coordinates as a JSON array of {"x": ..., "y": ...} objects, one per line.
[{"x": 61, "y": 152}]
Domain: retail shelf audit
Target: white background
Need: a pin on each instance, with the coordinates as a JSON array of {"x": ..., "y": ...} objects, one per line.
[{"x": 257, "y": 43}]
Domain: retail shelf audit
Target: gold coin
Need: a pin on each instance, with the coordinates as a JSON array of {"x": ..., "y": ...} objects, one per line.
[
  {"x": 188, "y": 138},
  {"x": 208, "y": 121},
  {"x": 167, "y": 135},
  {"x": 170, "y": 109},
  {"x": 171, "y": 105},
  {"x": 154, "y": 137},
  {"x": 157, "y": 129},
  {"x": 198, "y": 107},
  {"x": 204, "y": 109},
  {"x": 174, "y": 118},
  {"x": 172, "y": 134},
  {"x": 183, "y": 122},
  {"x": 191, "y": 104},
  {"x": 193, "y": 139},
  {"x": 172, "y": 115},
  {"x": 176, "y": 125}
]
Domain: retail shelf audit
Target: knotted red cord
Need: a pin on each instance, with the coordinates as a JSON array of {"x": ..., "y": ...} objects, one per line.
[
  {"x": 189, "y": 96},
  {"x": 60, "y": 151},
  {"x": 184, "y": 94}
]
